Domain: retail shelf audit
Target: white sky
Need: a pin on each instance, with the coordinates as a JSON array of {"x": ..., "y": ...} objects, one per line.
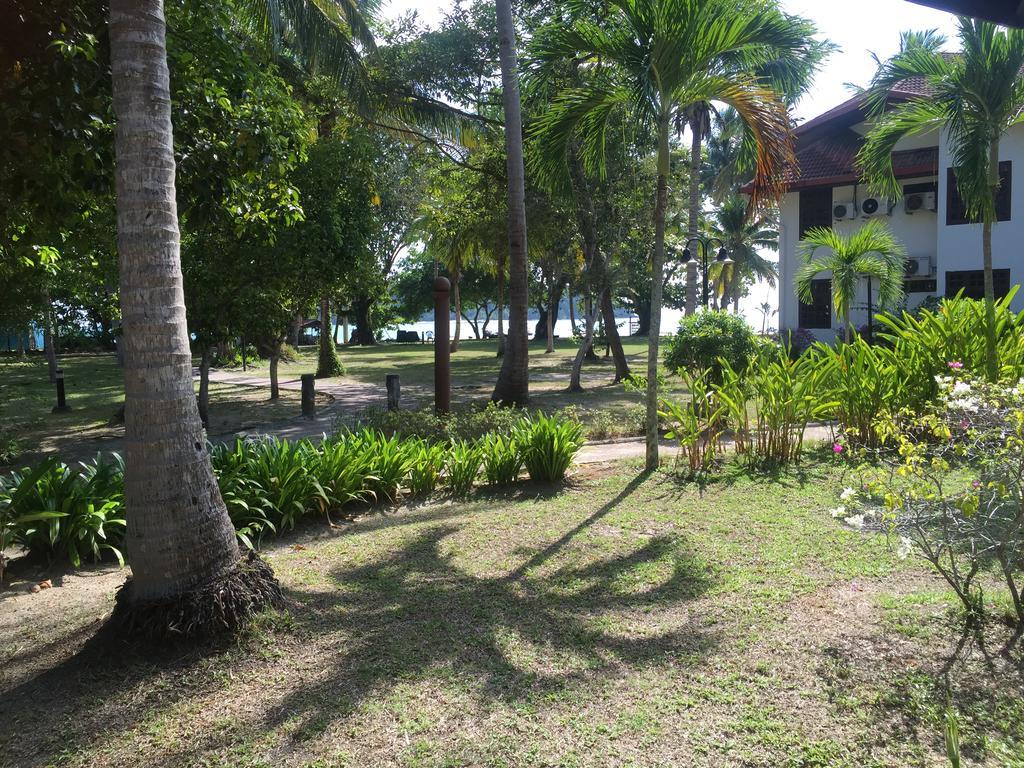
[{"x": 858, "y": 28}]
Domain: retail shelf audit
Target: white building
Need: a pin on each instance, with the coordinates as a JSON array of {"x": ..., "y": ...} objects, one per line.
[{"x": 944, "y": 248}]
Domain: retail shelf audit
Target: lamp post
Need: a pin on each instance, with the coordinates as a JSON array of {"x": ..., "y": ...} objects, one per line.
[{"x": 704, "y": 245}]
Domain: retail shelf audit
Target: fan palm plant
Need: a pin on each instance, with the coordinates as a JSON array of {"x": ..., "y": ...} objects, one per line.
[
  {"x": 744, "y": 236},
  {"x": 651, "y": 59},
  {"x": 871, "y": 251},
  {"x": 977, "y": 96}
]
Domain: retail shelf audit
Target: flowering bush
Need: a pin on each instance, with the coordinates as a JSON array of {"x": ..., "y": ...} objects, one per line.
[{"x": 951, "y": 487}]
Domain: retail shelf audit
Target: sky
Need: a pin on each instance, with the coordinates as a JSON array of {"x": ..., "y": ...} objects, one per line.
[{"x": 857, "y": 28}]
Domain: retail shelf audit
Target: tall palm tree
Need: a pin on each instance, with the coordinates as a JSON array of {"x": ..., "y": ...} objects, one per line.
[
  {"x": 187, "y": 577},
  {"x": 744, "y": 236},
  {"x": 871, "y": 251},
  {"x": 513, "y": 385},
  {"x": 978, "y": 95},
  {"x": 651, "y": 59}
]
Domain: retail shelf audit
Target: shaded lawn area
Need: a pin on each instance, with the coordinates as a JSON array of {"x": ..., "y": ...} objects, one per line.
[
  {"x": 95, "y": 391},
  {"x": 627, "y": 620}
]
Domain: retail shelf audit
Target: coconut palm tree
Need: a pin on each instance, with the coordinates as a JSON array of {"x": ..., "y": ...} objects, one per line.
[
  {"x": 744, "y": 236},
  {"x": 977, "y": 96},
  {"x": 513, "y": 385},
  {"x": 872, "y": 251},
  {"x": 651, "y": 59},
  {"x": 187, "y": 577}
]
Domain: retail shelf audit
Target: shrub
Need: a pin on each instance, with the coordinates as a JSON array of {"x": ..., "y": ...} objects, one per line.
[
  {"x": 795, "y": 341},
  {"x": 389, "y": 460},
  {"x": 72, "y": 512},
  {"x": 469, "y": 423},
  {"x": 502, "y": 458},
  {"x": 342, "y": 471},
  {"x": 427, "y": 465},
  {"x": 705, "y": 339},
  {"x": 462, "y": 466},
  {"x": 696, "y": 424},
  {"x": 248, "y": 504},
  {"x": 548, "y": 446}
]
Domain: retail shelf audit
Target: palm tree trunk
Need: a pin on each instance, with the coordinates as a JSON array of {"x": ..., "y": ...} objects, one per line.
[
  {"x": 552, "y": 311},
  {"x": 612, "y": 334},
  {"x": 501, "y": 297},
  {"x": 513, "y": 385},
  {"x": 991, "y": 354},
  {"x": 457, "y": 304},
  {"x": 657, "y": 284},
  {"x": 181, "y": 545},
  {"x": 694, "y": 214}
]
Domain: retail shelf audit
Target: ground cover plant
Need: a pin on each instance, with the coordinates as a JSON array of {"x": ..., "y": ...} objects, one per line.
[{"x": 728, "y": 623}]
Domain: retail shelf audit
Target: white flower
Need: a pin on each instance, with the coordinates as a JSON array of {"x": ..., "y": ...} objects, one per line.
[
  {"x": 906, "y": 546},
  {"x": 847, "y": 494},
  {"x": 856, "y": 521},
  {"x": 839, "y": 512},
  {"x": 961, "y": 388}
]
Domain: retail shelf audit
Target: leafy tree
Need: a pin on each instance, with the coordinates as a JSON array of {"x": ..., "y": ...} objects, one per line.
[
  {"x": 652, "y": 59},
  {"x": 871, "y": 251},
  {"x": 977, "y": 96}
]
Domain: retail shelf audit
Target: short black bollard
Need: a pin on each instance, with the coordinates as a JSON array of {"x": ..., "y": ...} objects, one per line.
[
  {"x": 394, "y": 386},
  {"x": 62, "y": 403},
  {"x": 308, "y": 395}
]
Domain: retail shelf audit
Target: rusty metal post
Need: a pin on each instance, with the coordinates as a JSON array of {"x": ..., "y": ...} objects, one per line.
[
  {"x": 394, "y": 387},
  {"x": 442, "y": 345},
  {"x": 308, "y": 395},
  {"x": 62, "y": 403}
]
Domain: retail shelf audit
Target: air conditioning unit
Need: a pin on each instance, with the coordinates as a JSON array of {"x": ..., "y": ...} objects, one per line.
[
  {"x": 844, "y": 211},
  {"x": 919, "y": 201},
  {"x": 919, "y": 267},
  {"x": 873, "y": 206}
]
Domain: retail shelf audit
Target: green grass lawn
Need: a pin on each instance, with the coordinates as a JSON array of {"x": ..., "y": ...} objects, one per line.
[
  {"x": 628, "y": 620},
  {"x": 95, "y": 391}
]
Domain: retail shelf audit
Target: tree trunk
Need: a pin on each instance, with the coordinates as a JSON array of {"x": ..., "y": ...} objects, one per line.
[
  {"x": 296, "y": 334},
  {"x": 337, "y": 327},
  {"x": 586, "y": 345},
  {"x": 513, "y": 385},
  {"x": 991, "y": 354},
  {"x": 364, "y": 334},
  {"x": 49, "y": 343},
  {"x": 181, "y": 545},
  {"x": 693, "y": 228},
  {"x": 500, "y": 251},
  {"x": 588, "y": 354},
  {"x": 612, "y": 334},
  {"x": 204, "y": 386},
  {"x": 550, "y": 328},
  {"x": 457, "y": 304},
  {"x": 275, "y": 358},
  {"x": 572, "y": 309},
  {"x": 540, "y": 330},
  {"x": 657, "y": 284}
]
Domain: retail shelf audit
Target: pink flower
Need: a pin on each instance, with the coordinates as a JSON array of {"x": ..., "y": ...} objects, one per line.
[
  {"x": 956, "y": 365},
  {"x": 976, "y": 484},
  {"x": 837, "y": 448}
]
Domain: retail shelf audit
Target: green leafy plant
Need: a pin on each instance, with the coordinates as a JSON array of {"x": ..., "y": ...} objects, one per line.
[
  {"x": 695, "y": 423},
  {"x": 502, "y": 458},
  {"x": 462, "y": 466},
  {"x": 707, "y": 338},
  {"x": 427, "y": 465},
  {"x": 343, "y": 473},
  {"x": 548, "y": 446},
  {"x": 388, "y": 459}
]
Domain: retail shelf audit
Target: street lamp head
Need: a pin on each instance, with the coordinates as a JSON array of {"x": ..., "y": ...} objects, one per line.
[
  {"x": 686, "y": 255},
  {"x": 723, "y": 257}
]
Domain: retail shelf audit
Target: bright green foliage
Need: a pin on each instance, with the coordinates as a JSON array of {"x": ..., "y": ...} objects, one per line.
[
  {"x": 341, "y": 470},
  {"x": 871, "y": 251},
  {"x": 706, "y": 341},
  {"x": 502, "y": 458},
  {"x": 549, "y": 446},
  {"x": 769, "y": 405},
  {"x": 465, "y": 424},
  {"x": 462, "y": 466},
  {"x": 388, "y": 459},
  {"x": 62, "y": 511},
  {"x": 249, "y": 505},
  {"x": 427, "y": 465},
  {"x": 697, "y": 423}
]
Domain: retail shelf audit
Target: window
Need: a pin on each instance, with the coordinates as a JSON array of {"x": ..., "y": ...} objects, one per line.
[
  {"x": 929, "y": 285},
  {"x": 956, "y": 213},
  {"x": 818, "y": 314},
  {"x": 972, "y": 282},
  {"x": 815, "y": 209}
]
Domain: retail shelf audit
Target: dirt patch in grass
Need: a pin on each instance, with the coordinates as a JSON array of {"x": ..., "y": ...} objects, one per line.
[{"x": 626, "y": 620}]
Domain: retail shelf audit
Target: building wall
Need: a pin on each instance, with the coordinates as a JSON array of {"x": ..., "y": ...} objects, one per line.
[{"x": 956, "y": 247}]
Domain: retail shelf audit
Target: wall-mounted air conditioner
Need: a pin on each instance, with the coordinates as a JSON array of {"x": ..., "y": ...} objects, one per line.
[
  {"x": 873, "y": 206},
  {"x": 842, "y": 211},
  {"x": 919, "y": 267},
  {"x": 919, "y": 201}
]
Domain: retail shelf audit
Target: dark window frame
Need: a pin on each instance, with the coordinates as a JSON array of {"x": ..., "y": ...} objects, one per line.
[
  {"x": 818, "y": 314},
  {"x": 956, "y": 212},
  {"x": 815, "y": 208},
  {"x": 972, "y": 281}
]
